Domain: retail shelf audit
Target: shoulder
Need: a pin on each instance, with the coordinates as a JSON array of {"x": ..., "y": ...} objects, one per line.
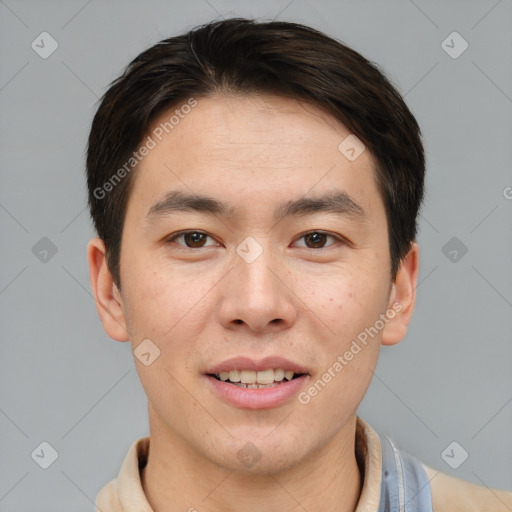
[
  {"x": 450, "y": 494},
  {"x": 108, "y": 498},
  {"x": 126, "y": 492}
]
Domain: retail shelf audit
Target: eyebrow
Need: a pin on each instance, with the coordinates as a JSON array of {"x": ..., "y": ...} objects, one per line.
[{"x": 337, "y": 202}]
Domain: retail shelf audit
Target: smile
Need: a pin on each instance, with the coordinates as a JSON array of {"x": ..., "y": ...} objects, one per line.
[{"x": 256, "y": 379}]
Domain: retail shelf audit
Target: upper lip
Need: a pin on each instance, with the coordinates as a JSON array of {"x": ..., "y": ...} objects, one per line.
[{"x": 247, "y": 363}]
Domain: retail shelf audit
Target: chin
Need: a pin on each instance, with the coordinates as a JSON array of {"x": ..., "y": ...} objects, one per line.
[{"x": 259, "y": 455}]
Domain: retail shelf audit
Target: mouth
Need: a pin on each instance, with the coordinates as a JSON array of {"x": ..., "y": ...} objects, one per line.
[
  {"x": 250, "y": 383},
  {"x": 251, "y": 379}
]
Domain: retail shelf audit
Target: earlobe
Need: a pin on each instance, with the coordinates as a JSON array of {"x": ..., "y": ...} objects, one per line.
[
  {"x": 106, "y": 295},
  {"x": 402, "y": 298}
]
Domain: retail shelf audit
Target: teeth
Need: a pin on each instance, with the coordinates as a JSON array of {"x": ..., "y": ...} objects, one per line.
[
  {"x": 255, "y": 386},
  {"x": 279, "y": 375},
  {"x": 247, "y": 376},
  {"x": 265, "y": 377},
  {"x": 234, "y": 376},
  {"x": 250, "y": 377},
  {"x": 288, "y": 375}
]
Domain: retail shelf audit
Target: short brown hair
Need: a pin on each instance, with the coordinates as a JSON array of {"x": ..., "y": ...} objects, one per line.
[{"x": 245, "y": 56}]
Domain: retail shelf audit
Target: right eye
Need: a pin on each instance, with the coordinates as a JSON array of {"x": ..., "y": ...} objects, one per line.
[{"x": 192, "y": 239}]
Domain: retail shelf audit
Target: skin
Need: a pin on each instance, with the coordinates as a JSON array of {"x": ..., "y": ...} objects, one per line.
[{"x": 299, "y": 300}]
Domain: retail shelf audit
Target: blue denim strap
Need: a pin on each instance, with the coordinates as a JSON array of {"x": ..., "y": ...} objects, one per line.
[{"x": 405, "y": 486}]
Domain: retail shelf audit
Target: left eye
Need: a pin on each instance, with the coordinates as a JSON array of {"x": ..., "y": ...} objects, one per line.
[{"x": 317, "y": 239}]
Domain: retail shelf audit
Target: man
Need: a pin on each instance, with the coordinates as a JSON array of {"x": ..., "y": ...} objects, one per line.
[{"x": 255, "y": 188}]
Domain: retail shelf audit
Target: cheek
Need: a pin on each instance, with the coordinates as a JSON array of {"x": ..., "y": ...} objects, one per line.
[
  {"x": 168, "y": 308},
  {"x": 159, "y": 302},
  {"x": 350, "y": 352},
  {"x": 346, "y": 302}
]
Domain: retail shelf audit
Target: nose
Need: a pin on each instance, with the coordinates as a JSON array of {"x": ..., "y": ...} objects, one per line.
[{"x": 258, "y": 296}]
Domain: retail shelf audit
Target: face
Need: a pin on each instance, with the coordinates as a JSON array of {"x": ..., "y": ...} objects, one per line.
[{"x": 264, "y": 276}]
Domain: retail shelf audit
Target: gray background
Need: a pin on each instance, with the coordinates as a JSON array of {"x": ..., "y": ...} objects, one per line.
[{"x": 65, "y": 382}]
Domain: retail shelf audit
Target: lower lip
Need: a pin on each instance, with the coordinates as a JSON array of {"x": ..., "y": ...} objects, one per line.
[{"x": 253, "y": 398}]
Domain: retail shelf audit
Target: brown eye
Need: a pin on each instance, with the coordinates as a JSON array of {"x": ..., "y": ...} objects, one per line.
[
  {"x": 316, "y": 239},
  {"x": 194, "y": 239},
  {"x": 191, "y": 239}
]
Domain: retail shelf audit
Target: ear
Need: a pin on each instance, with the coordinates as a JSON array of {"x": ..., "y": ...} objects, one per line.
[
  {"x": 402, "y": 298},
  {"x": 106, "y": 295}
]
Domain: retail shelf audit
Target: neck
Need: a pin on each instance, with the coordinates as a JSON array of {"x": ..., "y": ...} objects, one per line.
[{"x": 176, "y": 478}]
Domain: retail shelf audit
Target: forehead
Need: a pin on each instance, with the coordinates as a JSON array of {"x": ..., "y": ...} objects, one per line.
[
  {"x": 252, "y": 150},
  {"x": 220, "y": 121}
]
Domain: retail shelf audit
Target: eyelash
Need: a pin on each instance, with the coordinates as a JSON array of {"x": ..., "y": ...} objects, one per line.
[{"x": 179, "y": 234}]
